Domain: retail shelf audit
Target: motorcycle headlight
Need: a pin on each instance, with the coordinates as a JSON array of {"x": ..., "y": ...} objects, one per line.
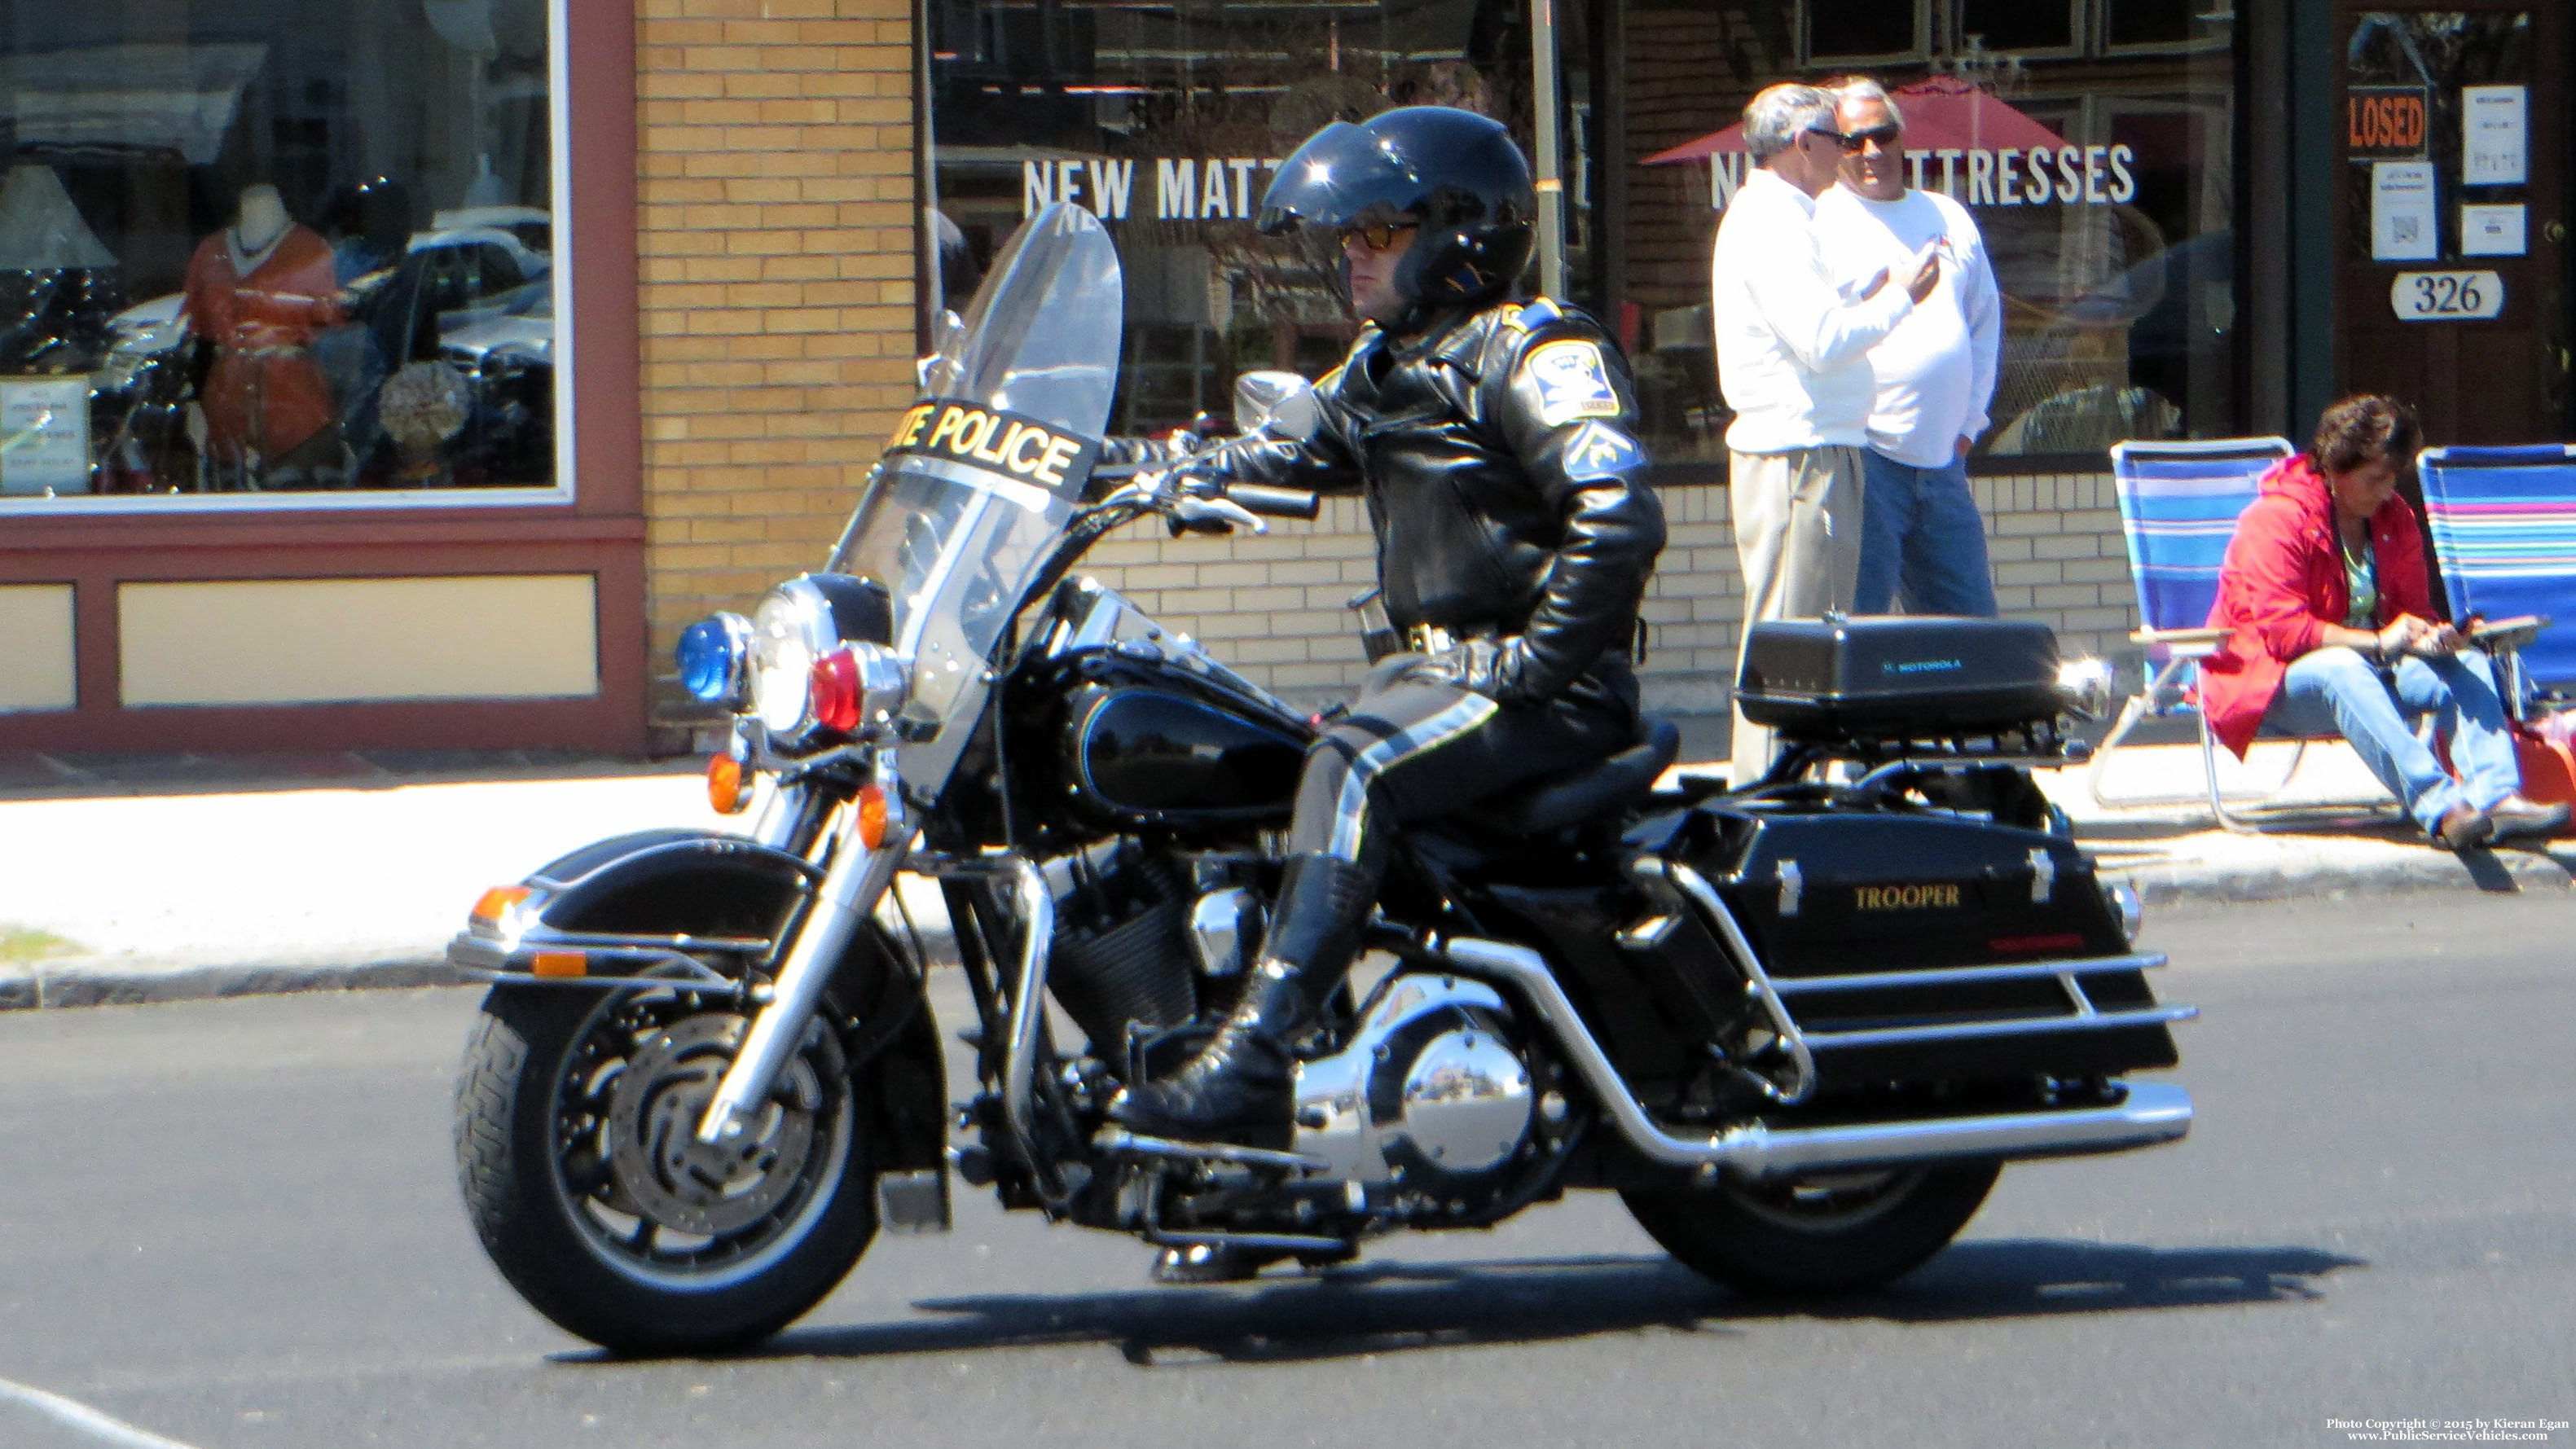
[
  {"x": 814, "y": 662},
  {"x": 790, "y": 630}
]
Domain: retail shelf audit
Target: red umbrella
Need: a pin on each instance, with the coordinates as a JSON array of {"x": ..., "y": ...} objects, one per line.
[{"x": 1942, "y": 113}]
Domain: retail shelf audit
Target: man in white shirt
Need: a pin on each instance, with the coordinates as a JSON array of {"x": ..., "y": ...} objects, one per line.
[
  {"x": 1935, "y": 372},
  {"x": 1792, "y": 359}
]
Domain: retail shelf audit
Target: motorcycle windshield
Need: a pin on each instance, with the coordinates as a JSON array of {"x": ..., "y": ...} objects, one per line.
[{"x": 982, "y": 473}]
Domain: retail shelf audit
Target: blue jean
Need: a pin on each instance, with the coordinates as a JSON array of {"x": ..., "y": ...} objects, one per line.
[
  {"x": 2336, "y": 691},
  {"x": 1919, "y": 531}
]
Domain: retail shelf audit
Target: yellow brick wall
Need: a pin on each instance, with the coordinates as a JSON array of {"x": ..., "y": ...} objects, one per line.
[
  {"x": 1272, "y": 606},
  {"x": 775, "y": 148}
]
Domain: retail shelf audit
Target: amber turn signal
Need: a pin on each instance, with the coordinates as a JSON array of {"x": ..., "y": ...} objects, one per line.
[
  {"x": 496, "y": 902},
  {"x": 871, "y": 806},
  {"x": 559, "y": 964},
  {"x": 725, "y": 785}
]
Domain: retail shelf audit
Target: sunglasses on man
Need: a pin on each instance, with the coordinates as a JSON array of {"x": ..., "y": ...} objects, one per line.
[
  {"x": 1378, "y": 237},
  {"x": 1854, "y": 142}
]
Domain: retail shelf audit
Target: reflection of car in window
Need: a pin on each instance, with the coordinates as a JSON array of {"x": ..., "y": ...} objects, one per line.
[
  {"x": 472, "y": 301},
  {"x": 2145, "y": 351}
]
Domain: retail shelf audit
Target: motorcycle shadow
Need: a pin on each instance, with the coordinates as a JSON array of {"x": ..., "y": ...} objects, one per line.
[{"x": 1397, "y": 1306}]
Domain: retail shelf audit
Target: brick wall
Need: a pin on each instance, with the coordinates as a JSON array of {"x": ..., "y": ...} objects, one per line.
[
  {"x": 1272, "y": 606},
  {"x": 775, "y": 143}
]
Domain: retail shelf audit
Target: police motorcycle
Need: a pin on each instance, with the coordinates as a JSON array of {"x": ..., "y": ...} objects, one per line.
[{"x": 1798, "y": 1026}]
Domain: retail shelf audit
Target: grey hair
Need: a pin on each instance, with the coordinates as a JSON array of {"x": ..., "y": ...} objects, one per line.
[
  {"x": 1775, "y": 116},
  {"x": 1862, "y": 88}
]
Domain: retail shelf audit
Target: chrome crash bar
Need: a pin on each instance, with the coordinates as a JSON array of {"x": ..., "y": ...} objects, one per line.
[{"x": 2148, "y": 1113}]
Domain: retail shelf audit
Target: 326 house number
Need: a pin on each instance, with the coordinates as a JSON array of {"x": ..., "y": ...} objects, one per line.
[{"x": 2446, "y": 296}]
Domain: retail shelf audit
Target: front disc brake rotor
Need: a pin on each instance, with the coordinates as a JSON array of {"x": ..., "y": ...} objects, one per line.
[{"x": 653, "y": 1121}]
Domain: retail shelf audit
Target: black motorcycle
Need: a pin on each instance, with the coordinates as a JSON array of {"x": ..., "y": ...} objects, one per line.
[{"x": 1798, "y": 1026}]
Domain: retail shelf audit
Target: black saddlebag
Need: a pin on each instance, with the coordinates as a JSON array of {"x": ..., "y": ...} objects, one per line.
[
  {"x": 1898, "y": 677},
  {"x": 1918, "y": 948}
]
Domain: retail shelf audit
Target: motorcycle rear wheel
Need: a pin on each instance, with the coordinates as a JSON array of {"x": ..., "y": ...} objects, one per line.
[
  {"x": 1824, "y": 1233},
  {"x": 568, "y": 1111}
]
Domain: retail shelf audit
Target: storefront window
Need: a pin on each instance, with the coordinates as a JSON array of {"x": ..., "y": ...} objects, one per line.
[
  {"x": 2105, "y": 190},
  {"x": 253, "y": 248},
  {"x": 2100, "y": 173},
  {"x": 1858, "y": 31},
  {"x": 1167, "y": 120}
]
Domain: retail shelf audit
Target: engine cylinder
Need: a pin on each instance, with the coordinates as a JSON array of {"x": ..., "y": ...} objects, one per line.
[{"x": 1122, "y": 950}]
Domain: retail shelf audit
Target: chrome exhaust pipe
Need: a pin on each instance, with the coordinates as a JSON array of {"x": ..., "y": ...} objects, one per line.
[{"x": 2149, "y": 1114}]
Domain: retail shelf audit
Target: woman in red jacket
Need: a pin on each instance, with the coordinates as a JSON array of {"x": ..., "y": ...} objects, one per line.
[{"x": 2335, "y": 631}]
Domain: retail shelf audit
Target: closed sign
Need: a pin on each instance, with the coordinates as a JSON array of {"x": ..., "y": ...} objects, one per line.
[{"x": 2446, "y": 296}]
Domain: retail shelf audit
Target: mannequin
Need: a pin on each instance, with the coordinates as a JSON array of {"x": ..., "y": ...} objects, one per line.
[
  {"x": 262, "y": 218},
  {"x": 259, "y": 291}
]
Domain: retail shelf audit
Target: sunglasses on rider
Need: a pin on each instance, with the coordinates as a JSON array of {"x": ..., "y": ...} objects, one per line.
[{"x": 1378, "y": 237}]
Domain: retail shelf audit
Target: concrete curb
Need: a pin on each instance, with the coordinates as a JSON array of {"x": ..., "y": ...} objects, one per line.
[
  {"x": 74, "y": 981},
  {"x": 69, "y": 983},
  {"x": 2489, "y": 873}
]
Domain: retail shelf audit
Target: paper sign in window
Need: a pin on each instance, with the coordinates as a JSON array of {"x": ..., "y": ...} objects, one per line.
[
  {"x": 44, "y": 434},
  {"x": 2401, "y": 212},
  {"x": 2495, "y": 135},
  {"x": 2493, "y": 231}
]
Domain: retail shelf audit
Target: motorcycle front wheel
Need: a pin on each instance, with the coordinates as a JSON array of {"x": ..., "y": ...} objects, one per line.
[
  {"x": 574, "y": 1113},
  {"x": 1825, "y": 1232}
]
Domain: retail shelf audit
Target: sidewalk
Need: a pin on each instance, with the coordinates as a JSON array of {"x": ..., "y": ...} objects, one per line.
[{"x": 160, "y": 880}]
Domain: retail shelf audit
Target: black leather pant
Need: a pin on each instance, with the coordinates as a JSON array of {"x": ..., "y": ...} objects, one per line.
[{"x": 1413, "y": 747}]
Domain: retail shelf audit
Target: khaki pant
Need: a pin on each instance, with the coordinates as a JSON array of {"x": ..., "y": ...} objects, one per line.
[{"x": 1797, "y": 534}]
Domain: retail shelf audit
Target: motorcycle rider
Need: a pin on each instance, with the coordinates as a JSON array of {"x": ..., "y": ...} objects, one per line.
[{"x": 1493, "y": 439}]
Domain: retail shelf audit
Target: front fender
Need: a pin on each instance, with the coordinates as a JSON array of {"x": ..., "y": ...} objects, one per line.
[
  {"x": 669, "y": 882},
  {"x": 628, "y": 903}
]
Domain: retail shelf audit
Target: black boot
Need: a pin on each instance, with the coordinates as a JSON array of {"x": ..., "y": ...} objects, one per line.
[{"x": 1239, "y": 1082}]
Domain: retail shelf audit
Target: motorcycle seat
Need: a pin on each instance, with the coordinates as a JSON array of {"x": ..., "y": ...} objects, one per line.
[{"x": 1607, "y": 784}]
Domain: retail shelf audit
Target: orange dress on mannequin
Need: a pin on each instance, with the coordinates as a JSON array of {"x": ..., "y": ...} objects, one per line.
[{"x": 262, "y": 310}]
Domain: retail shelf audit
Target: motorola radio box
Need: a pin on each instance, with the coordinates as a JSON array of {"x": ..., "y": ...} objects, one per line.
[{"x": 1898, "y": 676}]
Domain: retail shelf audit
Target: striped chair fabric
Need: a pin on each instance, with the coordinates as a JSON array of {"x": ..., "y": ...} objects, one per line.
[
  {"x": 2503, "y": 522},
  {"x": 2178, "y": 508}
]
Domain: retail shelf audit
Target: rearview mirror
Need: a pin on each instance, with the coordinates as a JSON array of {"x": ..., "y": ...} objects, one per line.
[{"x": 947, "y": 330}]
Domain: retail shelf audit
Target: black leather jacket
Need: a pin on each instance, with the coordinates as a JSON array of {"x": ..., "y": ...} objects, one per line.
[{"x": 1498, "y": 453}]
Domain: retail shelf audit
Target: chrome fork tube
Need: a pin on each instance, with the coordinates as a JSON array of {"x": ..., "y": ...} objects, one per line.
[
  {"x": 782, "y": 818},
  {"x": 848, "y": 896},
  {"x": 1035, "y": 906}
]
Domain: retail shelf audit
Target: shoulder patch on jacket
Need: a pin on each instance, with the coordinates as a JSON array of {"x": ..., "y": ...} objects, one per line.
[
  {"x": 1599, "y": 452},
  {"x": 1573, "y": 381}
]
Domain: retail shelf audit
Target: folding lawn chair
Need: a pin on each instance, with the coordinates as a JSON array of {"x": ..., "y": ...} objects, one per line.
[
  {"x": 2503, "y": 522},
  {"x": 2179, "y": 502}
]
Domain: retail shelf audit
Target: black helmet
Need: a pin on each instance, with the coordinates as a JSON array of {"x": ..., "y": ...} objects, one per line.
[{"x": 1453, "y": 173}]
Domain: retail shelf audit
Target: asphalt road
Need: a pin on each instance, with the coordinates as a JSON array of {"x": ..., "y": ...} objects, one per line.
[{"x": 233, "y": 1224}]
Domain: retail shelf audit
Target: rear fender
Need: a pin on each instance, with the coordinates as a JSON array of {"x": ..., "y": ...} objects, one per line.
[{"x": 634, "y": 901}]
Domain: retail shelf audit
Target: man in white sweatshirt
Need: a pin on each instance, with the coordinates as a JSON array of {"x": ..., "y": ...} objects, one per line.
[
  {"x": 1792, "y": 359},
  {"x": 1935, "y": 371}
]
